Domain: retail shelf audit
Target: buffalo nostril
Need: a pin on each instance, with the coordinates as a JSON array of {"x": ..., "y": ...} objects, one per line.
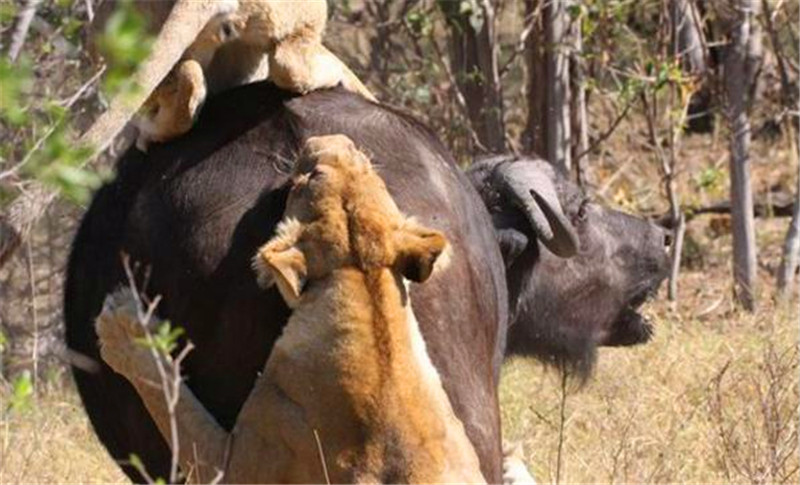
[{"x": 667, "y": 239}]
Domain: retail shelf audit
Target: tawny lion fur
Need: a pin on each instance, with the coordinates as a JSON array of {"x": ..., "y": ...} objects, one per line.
[
  {"x": 289, "y": 32},
  {"x": 351, "y": 366}
]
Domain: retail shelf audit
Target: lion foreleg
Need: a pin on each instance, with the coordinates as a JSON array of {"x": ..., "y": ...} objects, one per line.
[{"x": 202, "y": 442}]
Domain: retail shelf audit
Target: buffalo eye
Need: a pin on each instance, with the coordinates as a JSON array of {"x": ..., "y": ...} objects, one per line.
[{"x": 583, "y": 211}]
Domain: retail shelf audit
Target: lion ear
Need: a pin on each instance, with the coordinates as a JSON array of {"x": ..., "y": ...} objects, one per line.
[
  {"x": 416, "y": 250},
  {"x": 281, "y": 262},
  {"x": 285, "y": 267}
]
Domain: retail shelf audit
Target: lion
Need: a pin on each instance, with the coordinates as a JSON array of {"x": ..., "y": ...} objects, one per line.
[
  {"x": 348, "y": 393},
  {"x": 174, "y": 80}
]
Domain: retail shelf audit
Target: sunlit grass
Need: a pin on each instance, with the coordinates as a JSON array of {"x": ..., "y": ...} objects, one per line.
[
  {"x": 711, "y": 400},
  {"x": 50, "y": 440}
]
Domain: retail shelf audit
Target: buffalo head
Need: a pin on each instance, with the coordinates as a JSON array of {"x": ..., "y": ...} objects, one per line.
[{"x": 577, "y": 271}]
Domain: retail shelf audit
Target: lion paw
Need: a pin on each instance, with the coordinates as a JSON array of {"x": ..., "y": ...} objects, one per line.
[{"x": 119, "y": 333}]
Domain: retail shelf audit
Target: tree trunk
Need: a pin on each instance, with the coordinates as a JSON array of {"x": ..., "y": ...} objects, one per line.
[
  {"x": 549, "y": 123},
  {"x": 688, "y": 44},
  {"x": 687, "y": 37},
  {"x": 580, "y": 122},
  {"x": 21, "y": 29},
  {"x": 791, "y": 246},
  {"x": 742, "y": 58},
  {"x": 379, "y": 55},
  {"x": 474, "y": 52},
  {"x": 534, "y": 138},
  {"x": 556, "y": 21},
  {"x": 20, "y": 217}
]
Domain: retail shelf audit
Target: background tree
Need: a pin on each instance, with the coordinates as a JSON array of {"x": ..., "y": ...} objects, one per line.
[
  {"x": 791, "y": 116},
  {"x": 549, "y": 49},
  {"x": 473, "y": 54},
  {"x": 742, "y": 63},
  {"x": 689, "y": 45},
  {"x": 557, "y": 38}
]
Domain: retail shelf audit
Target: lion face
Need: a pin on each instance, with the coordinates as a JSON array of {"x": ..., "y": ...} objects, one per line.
[{"x": 340, "y": 214}]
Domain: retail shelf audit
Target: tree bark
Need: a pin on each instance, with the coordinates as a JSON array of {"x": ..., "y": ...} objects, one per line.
[
  {"x": 9, "y": 240},
  {"x": 742, "y": 58},
  {"x": 791, "y": 245},
  {"x": 556, "y": 29},
  {"x": 21, "y": 216},
  {"x": 21, "y": 29},
  {"x": 474, "y": 54},
  {"x": 688, "y": 44},
  {"x": 548, "y": 130},
  {"x": 379, "y": 55},
  {"x": 534, "y": 138},
  {"x": 687, "y": 37},
  {"x": 580, "y": 122}
]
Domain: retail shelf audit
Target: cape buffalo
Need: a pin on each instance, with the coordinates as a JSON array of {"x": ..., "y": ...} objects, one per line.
[
  {"x": 192, "y": 212},
  {"x": 580, "y": 288}
]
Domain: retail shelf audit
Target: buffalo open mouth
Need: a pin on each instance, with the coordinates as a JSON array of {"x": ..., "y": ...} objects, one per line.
[{"x": 631, "y": 327}]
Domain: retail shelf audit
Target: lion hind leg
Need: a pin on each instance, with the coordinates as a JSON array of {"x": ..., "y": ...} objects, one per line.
[{"x": 306, "y": 65}]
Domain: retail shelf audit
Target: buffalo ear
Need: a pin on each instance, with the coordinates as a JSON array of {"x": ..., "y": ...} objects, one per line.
[
  {"x": 416, "y": 250},
  {"x": 530, "y": 186},
  {"x": 512, "y": 243}
]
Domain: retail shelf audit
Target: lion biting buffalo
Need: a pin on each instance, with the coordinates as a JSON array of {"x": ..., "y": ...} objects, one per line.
[{"x": 532, "y": 262}]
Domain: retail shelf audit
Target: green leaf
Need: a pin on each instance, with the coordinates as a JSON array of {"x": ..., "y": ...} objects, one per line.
[
  {"x": 72, "y": 28},
  {"x": 423, "y": 94},
  {"x": 419, "y": 22},
  {"x": 8, "y": 12},
  {"x": 125, "y": 43},
  {"x": 575, "y": 10},
  {"x": 15, "y": 84},
  {"x": 164, "y": 339},
  {"x": 58, "y": 163},
  {"x": 709, "y": 178},
  {"x": 21, "y": 392}
]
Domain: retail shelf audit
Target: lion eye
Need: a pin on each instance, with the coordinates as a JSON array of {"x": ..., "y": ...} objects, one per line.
[
  {"x": 316, "y": 174},
  {"x": 227, "y": 30}
]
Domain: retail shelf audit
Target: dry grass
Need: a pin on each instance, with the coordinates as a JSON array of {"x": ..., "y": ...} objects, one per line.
[
  {"x": 661, "y": 413},
  {"x": 51, "y": 441},
  {"x": 712, "y": 399}
]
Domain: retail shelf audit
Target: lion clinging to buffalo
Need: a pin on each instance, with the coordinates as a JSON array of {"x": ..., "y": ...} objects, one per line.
[{"x": 351, "y": 366}]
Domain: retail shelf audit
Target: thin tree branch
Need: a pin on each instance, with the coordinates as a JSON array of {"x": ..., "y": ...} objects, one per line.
[
  {"x": 519, "y": 47},
  {"x": 604, "y": 136},
  {"x": 22, "y": 28},
  {"x": 462, "y": 102}
]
